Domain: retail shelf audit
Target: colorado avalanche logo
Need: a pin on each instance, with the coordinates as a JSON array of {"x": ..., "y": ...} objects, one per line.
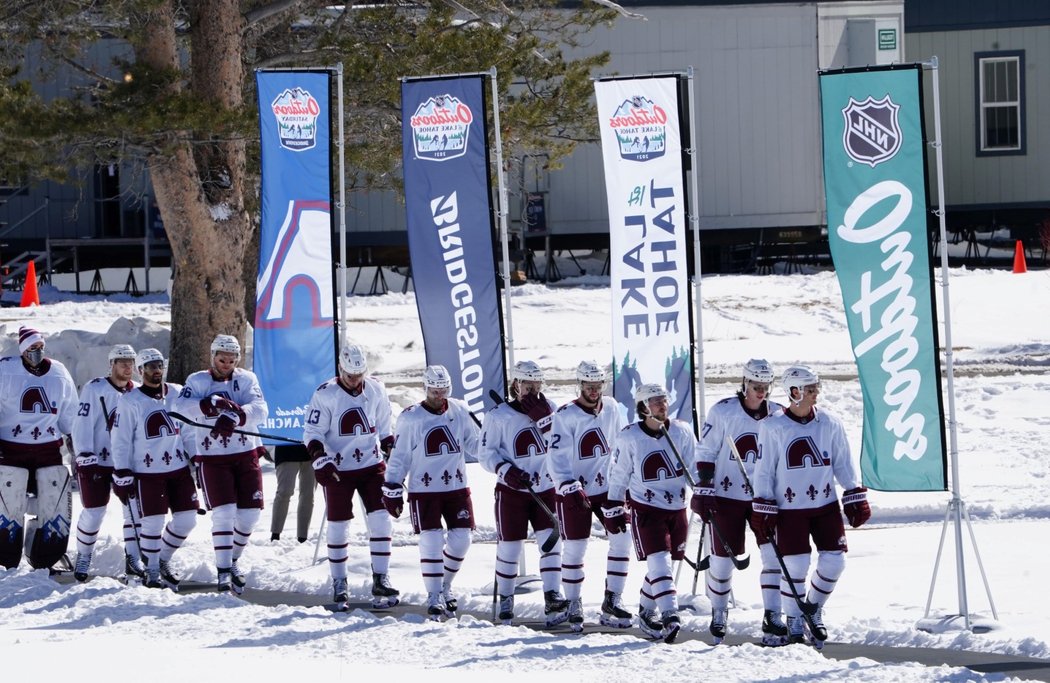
[
  {"x": 296, "y": 111},
  {"x": 441, "y": 128},
  {"x": 641, "y": 129},
  {"x": 872, "y": 133}
]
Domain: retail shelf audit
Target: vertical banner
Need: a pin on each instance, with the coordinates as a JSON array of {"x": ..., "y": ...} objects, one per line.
[
  {"x": 295, "y": 307},
  {"x": 642, "y": 153},
  {"x": 875, "y": 184},
  {"x": 450, "y": 232}
]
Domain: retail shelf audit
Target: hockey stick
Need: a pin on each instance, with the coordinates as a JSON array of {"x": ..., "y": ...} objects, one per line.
[
  {"x": 555, "y": 535},
  {"x": 807, "y": 608},
  {"x": 273, "y": 437}
]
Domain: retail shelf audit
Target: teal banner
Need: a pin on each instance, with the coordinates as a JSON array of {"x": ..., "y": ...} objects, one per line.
[{"x": 875, "y": 186}]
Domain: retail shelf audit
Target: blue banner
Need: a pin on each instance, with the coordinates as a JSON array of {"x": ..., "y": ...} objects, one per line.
[
  {"x": 875, "y": 184},
  {"x": 295, "y": 308},
  {"x": 450, "y": 233}
]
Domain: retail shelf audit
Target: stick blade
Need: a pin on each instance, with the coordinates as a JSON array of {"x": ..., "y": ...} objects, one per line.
[
  {"x": 552, "y": 540},
  {"x": 742, "y": 562}
]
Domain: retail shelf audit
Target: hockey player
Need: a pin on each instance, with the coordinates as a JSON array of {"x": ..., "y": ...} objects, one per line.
[
  {"x": 432, "y": 439},
  {"x": 151, "y": 468},
  {"x": 514, "y": 447},
  {"x": 649, "y": 463},
  {"x": 91, "y": 443},
  {"x": 348, "y": 434},
  {"x": 579, "y": 461},
  {"x": 227, "y": 397},
  {"x": 38, "y": 400},
  {"x": 723, "y": 493},
  {"x": 802, "y": 452}
]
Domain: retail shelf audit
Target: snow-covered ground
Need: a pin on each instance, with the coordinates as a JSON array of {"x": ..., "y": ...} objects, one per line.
[{"x": 1001, "y": 343}]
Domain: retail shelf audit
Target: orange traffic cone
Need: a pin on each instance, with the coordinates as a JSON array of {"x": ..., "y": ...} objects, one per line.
[
  {"x": 1019, "y": 264},
  {"x": 30, "y": 297}
]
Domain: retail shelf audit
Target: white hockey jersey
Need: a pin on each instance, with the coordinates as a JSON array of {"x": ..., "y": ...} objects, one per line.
[
  {"x": 35, "y": 410},
  {"x": 145, "y": 439},
  {"x": 430, "y": 448},
  {"x": 799, "y": 463},
  {"x": 511, "y": 436},
  {"x": 645, "y": 466},
  {"x": 729, "y": 417},
  {"x": 350, "y": 427},
  {"x": 581, "y": 444},
  {"x": 91, "y": 426},
  {"x": 242, "y": 388}
]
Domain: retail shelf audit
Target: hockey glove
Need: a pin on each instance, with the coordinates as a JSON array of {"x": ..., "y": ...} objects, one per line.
[
  {"x": 764, "y": 519},
  {"x": 515, "y": 477},
  {"x": 386, "y": 444},
  {"x": 124, "y": 485},
  {"x": 88, "y": 468},
  {"x": 704, "y": 502},
  {"x": 392, "y": 500},
  {"x": 572, "y": 496},
  {"x": 224, "y": 427},
  {"x": 855, "y": 504},
  {"x": 614, "y": 516},
  {"x": 325, "y": 471},
  {"x": 538, "y": 408}
]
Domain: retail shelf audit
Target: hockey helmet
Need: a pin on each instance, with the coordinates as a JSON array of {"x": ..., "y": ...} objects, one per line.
[
  {"x": 758, "y": 370},
  {"x": 148, "y": 356},
  {"x": 436, "y": 377},
  {"x": 352, "y": 360},
  {"x": 800, "y": 377},
  {"x": 122, "y": 352},
  {"x": 528, "y": 371},
  {"x": 589, "y": 371},
  {"x": 645, "y": 392},
  {"x": 226, "y": 343}
]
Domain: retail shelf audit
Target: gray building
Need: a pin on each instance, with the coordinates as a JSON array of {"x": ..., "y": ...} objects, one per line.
[{"x": 757, "y": 120}]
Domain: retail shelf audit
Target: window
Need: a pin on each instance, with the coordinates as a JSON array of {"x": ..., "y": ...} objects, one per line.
[{"x": 1000, "y": 103}]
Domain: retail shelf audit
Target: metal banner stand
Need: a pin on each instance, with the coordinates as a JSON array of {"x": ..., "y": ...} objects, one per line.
[{"x": 956, "y": 511}]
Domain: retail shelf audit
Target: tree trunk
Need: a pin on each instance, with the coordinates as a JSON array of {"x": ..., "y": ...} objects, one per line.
[{"x": 199, "y": 187}]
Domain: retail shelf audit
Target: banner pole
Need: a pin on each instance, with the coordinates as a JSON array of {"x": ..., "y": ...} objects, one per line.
[
  {"x": 956, "y": 506},
  {"x": 342, "y": 209},
  {"x": 694, "y": 221},
  {"x": 501, "y": 213}
]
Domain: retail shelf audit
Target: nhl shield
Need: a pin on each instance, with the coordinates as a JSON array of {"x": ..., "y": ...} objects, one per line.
[{"x": 872, "y": 133}]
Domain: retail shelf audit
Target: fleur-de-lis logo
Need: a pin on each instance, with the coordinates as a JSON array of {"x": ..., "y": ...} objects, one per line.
[
  {"x": 148, "y": 459},
  {"x": 459, "y": 476},
  {"x": 36, "y": 433},
  {"x": 358, "y": 455},
  {"x": 446, "y": 477},
  {"x": 827, "y": 491},
  {"x": 599, "y": 479},
  {"x": 649, "y": 495},
  {"x": 726, "y": 484},
  {"x": 166, "y": 458},
  {"x": 668, "y": 498},
  {"x": 812, "y": 492},
  {"x": 790, "y": 495},
  {"x": 17, "y": 430},
  {"x": 426, "y": 479}
]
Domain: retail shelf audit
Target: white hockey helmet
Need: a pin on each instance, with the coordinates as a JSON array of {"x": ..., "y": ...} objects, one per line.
[
  {"x": 352, "y": 360},
  {"x": 589, "y": 371},
  {"x": 122, "y": 352},
  {"x": 798, "y": 376},
  {"x": 148, "y": 356},
  {"x": 643, "y": 393},
  {"x": 437, "y": 377},
  {"x": 226, "y": 343},
  {"x": 528, "y": 371},
  {"x": 758, "y": 370}
]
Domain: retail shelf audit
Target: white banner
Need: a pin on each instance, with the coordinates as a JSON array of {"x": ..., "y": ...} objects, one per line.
[{"x": 642, "y": 151}]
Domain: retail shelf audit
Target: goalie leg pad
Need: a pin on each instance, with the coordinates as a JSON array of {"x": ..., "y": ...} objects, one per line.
[
  {"x": 54, "y": 514},
  {"x": 13, "y": 483}
]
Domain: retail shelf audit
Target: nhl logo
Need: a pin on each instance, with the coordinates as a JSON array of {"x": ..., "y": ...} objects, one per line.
[
  {"x": 296, "y": 111},
  {"x": 873, "y": 133},
  {"x": 441, "y": 128},
  {"x": 641, "y": 129}
]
